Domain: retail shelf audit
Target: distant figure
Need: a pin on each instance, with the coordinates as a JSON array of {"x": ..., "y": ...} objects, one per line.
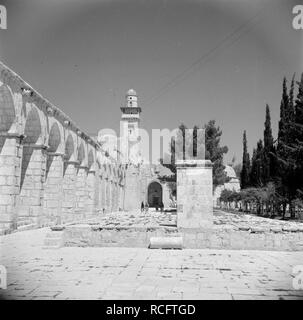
[
  {"x": 161, "y": 207},
  {"x": 142, "y": 206},
  {"x": 146, "y": 207}
]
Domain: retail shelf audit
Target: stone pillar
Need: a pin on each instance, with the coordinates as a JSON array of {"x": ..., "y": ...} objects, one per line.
[
  {"x": 114, "y": 196},
  {"x": 108, "y": 195},
  {"x": 102, "y": 192},
  {"x": 53, "y": 191},
  {"x": 69, "y": 190},
  {"x": 91, "y": 189},
  {"x": 194, "y": 194},
  {"x": 10, "y": 171},
  {"x": 81, "y": 192},
  {"x": 30, "y": 203},
  {"x": 121, "y": 197},
  {"x": 132, "y": 189},
  {"x": 117, "y": 196}
]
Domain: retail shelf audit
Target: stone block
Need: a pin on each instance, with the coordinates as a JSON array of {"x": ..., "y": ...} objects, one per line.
[{"x": 194, "y": 191}]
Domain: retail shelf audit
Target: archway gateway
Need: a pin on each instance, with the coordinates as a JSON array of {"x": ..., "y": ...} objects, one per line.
[{"x": 154, "y": 194}]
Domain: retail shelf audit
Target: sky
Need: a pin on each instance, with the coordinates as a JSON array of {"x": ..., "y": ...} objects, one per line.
[{"x": 190, "y": 61}]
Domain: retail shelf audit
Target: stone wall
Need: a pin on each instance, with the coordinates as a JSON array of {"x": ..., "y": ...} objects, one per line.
[
  {"x": 215, "y": 238},
  {"x": 51, "y": 171}
]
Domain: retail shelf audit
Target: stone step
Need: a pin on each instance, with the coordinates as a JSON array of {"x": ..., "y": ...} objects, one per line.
[
  {"x": 166, "y": 243},
  {"x": 54, "y": 234},
  {"x": 28, "y": 226},
  {"x": 53, "y": 240}
]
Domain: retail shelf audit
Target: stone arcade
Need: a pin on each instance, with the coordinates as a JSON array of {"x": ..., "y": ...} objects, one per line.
[{"x": 51, "y": 172}]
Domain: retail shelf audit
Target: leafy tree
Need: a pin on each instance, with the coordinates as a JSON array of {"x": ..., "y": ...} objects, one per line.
[{"x": 213, "y": 150}]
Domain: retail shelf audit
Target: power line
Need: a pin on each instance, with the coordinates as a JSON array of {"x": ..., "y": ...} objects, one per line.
[{"x": 204, "y": 58}]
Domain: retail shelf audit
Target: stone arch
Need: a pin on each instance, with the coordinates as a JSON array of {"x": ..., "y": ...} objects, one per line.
[
  {"x": 7, "y": 109},
  {"x": 81, "y": 153},
  {"x": 7, "y": 112},
  {"x": 54, "y": 142},
  {"x": 69, "y": 151},
  {"x": 32, "y": 128},
  {"x": 90, "y": 159},
  {"x": 69, "y": 147},
  {"x": 154, "y": 194},
  {"x": 32, "y": 132}
]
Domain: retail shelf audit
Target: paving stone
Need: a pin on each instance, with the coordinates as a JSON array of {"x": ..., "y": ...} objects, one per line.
[{"x": 138, "y": 273}]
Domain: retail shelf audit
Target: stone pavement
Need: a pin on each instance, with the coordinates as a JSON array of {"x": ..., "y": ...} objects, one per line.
[
  {"x": 138, "y": 273},
  {"x": 222, "y": 220}
]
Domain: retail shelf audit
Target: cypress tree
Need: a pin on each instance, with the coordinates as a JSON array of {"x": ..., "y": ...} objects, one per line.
[
  {"x": 299, "y": 139},
  {"x": 253, "y": 169},
  {"x": 245, "y": 165},
  {"x": 283, "y": 108},
  {"x": 299, "y": 107},
  {"x": 287, "y": 173},
  {"x": 257, "y": 166},
  {"x": 268, "y": 149},
  {"x": 291, "y": 109}
]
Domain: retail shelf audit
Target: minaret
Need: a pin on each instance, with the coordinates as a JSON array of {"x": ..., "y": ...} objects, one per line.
[{"x": 130, "y": 123}]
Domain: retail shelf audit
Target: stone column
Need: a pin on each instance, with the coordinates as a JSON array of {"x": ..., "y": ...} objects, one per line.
[
  {"x": 10, "y": 171},
  {"x": 194, "y": 194},
  {"x": 108, "y": 195},
  {"x": 104, "y": 194},
  {"x": 101, "y": 193},
  {"x": 81, "y": 192},
  {"x": 53, "y": 191},
  {"x": 115, "y": 196},
  {"x": 91, "y": 189},
  {"x": 121, "y": 198},
  {"x": 69, "y": 190},
  {"x": 30, "y": 203},
  {"x": 112, "y": 196}
]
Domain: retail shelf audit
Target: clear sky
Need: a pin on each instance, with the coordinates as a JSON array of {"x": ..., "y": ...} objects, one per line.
[{"x": 190, "y": 61}]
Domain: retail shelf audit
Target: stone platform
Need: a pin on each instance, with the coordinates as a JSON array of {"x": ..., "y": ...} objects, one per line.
[
  {"x": 230, "y": 231},
  {"x": 140, "y": 273}
]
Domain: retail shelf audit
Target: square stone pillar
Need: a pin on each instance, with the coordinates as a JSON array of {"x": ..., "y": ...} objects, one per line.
[
  {"x": 81, "y": 192},
  {"x": 30, "y": 204},
  {"x": 53, "y": 188},
  {"x": 108, "y": 195},
  {"x": 102, "y": 194},
  {"x": 91, "y": 206},
  {"x": 10, "y": 172},
  {"x": 194, "y": 194},
  {"x": 69, "y": 190}
]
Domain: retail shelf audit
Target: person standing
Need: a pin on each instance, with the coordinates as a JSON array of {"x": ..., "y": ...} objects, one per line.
[
  {"x": 142, "y": 206},
  {"x": 146, "y": 207}
]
